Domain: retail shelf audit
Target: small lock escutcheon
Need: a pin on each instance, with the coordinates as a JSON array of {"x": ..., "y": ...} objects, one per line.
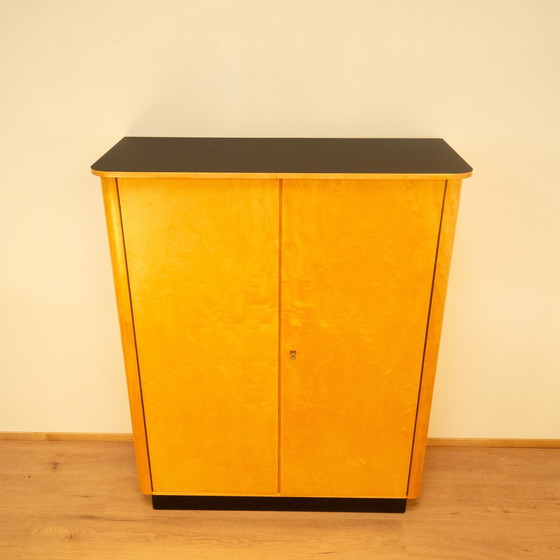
[{"x": 292, "y": 354}]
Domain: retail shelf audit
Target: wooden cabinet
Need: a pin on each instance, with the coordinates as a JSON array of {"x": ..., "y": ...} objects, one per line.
[{"x": 280, "y": 304}]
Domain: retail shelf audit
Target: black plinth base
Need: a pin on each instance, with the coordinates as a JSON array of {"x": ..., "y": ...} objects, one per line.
[{"x": 258, "y": 503}]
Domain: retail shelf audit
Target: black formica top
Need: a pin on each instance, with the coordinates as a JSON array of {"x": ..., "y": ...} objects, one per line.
[{"x": 135, "y": 154}]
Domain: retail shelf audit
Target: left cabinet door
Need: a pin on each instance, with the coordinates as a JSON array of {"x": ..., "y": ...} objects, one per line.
[{"x": 202, "y": 260}]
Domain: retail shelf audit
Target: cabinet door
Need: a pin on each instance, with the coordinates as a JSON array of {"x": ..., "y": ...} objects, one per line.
[
  {"x": 202, "y": 258},
  {"x": 357, "y": 269}
]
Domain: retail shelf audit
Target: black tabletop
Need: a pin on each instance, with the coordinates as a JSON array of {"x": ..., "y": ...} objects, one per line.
[{"x": 282, "y": 155}]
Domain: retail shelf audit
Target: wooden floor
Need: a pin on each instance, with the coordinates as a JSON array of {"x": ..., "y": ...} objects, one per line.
[{"x": 79, "y": 500}]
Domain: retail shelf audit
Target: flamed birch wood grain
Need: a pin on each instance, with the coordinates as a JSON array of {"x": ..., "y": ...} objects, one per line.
[
  {"x": 356, "y": 290},
  {"x": 202, "y": 261}
]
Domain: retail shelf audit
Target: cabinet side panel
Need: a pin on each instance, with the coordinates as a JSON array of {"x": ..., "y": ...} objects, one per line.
[
  {"x": 357, "y": 261},
  {"x": 120, "y": 275},
  {"x": 441, "y": 275},
  {"x": 203, "y": 265}
]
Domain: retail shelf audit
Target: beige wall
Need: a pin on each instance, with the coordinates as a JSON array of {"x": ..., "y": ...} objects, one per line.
[{"x": 78, "y": 75}]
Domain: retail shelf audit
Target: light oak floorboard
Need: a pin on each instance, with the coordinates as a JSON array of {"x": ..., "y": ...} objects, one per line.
[{"x": 72, "y": 499}]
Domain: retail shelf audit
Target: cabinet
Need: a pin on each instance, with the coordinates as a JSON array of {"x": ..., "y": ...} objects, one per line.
[{"x": 280, "y": 303}]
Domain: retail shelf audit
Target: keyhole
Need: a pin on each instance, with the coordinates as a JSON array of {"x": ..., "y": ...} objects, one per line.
[{"x": 292, "y": 354}]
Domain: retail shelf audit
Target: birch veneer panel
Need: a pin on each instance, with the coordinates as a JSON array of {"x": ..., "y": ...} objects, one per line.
[{"x": 280, "y": 304}]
